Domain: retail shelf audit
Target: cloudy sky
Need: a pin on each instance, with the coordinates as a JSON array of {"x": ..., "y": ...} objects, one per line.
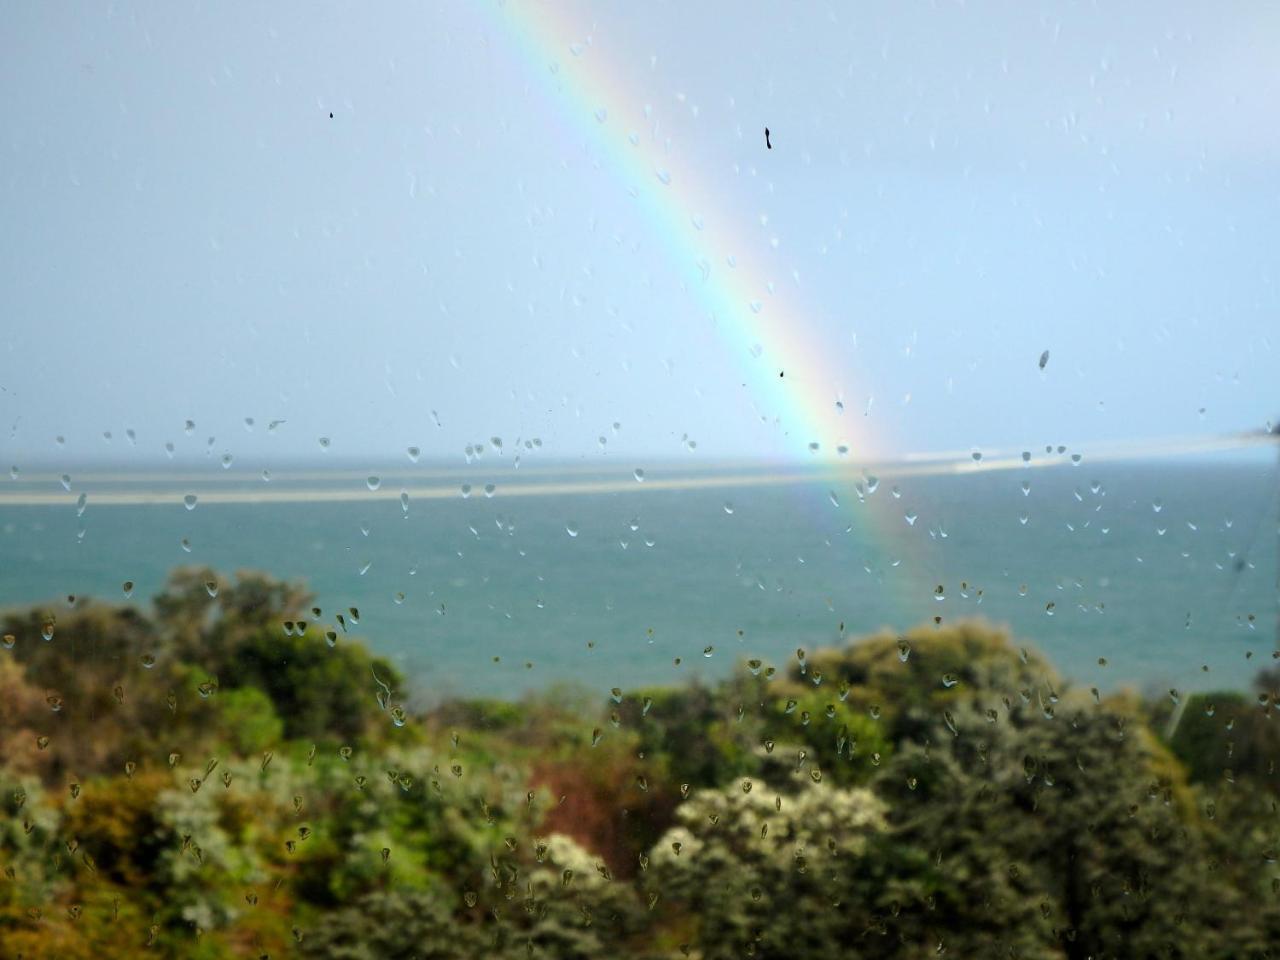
[{"x": 436, "y": 224}]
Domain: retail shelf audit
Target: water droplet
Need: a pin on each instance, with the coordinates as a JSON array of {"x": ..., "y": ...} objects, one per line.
[
  {"x": 404, "y": 502},
  {"x": 81, "y": 502},
  {"x": 66, "y": 482},
  {"x": 904, "y": 649},
  {"x": 189, "y": 501},
  {"x": 639, "y": 474},
  {"x": 373, "y": 483},
  {"x": 324, "y": 443},
  {"x": 148, "y": 661},
  {"x": 977, "y": 456},
  {"x": 1157, "y": 505},
  {"x": 414, "y": 454},
  {"x": 185, "y": 544},
  {"x": 465, "y": 490},
  {"x": 571, "y": 528},
  {"x": 490, "y": 489},
  {"x": 910, "y": 518},
  {"x": 127, "y": 588},
  {"x": 226, "y": 461}
]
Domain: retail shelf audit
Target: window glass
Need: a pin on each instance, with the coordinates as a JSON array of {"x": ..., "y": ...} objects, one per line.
[{"x": 713, "y": 480}]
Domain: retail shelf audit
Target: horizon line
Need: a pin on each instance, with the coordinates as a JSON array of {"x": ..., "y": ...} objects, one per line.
[{"x": 723, "y": 474}]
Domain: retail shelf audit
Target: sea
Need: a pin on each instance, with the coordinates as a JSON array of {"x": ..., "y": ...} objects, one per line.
[{"x": 497, "y": 579}]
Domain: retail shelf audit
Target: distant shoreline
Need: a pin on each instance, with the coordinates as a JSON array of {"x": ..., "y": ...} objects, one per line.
[{"x": 167, "y": 488}]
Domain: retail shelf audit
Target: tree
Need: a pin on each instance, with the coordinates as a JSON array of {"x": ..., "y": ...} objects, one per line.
[
  {"x": 1078, "y": 813},
  {"x": 767, "y": 873}
]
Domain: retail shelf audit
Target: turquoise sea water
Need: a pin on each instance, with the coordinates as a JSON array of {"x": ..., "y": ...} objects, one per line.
[{"x": 1162, "y": 568}]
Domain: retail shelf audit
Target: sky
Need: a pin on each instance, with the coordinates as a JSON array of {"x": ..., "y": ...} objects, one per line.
[{"x": 435, "y": 224}]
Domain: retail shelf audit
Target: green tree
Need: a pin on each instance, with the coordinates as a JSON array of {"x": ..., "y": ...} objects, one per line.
[
  {"x": 1076, "y": 813},
  {"x": 768, "y": 873}
]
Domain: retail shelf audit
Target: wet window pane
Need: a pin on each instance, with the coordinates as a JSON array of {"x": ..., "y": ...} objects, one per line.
[{"x": 568, "y": 480}]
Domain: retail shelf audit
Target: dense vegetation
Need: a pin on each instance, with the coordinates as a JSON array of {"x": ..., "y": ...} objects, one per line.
[{"x": 232, "y": 774}]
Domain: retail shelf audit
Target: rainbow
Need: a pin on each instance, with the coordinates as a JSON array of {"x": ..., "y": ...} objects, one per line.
[
  {"x": 789, "y": 372},
  {"x": 807, "y": 404}
]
